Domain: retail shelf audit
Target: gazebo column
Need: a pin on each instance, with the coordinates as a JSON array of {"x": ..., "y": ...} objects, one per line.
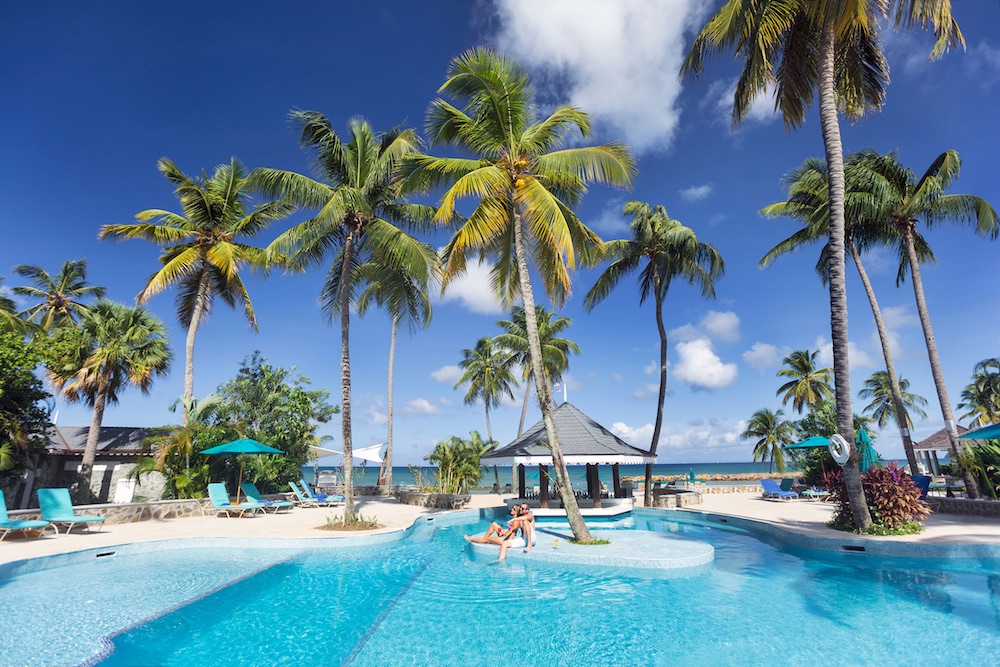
[
  {"x": 543, "y": 486},
  {"x": 617, "y": 480},
  {"x": 594, "y": 484},
  {"x": 937, "y": 464},
  {"x": 520, "y": 481}
]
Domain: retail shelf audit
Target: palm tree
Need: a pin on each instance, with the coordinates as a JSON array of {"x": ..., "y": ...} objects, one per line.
[
  {"x": 555, "y": 350},
  {"x": 458, "y": 462},
  {"x": 525, "y": 187},
  {"x": 203, "y": 249},
  {"x": 173, "y": 450},
  {"x": 487, "y": 371},
  {"x": 9, "y": 321},
  {"x": 670, "y": 251},
  {"x": 798, "y": 48},
  {"x": 114, "y": 347},
  {"x": 982, "y": 396},
  {"x": 808, "y": 201},
  {"x": 901, "y": 200},
  {"x": 772, "y": 433},
  {"x": 358, "y": 198},
  {"x": 808, "y": 384},
  {"x": 879, "y": 388},
  {"x": 60, "y": 298},
  {"x": 404, "y": 297}
]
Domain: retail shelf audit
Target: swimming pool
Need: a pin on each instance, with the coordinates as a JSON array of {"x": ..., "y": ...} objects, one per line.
[{"x": 423, "y": 601}]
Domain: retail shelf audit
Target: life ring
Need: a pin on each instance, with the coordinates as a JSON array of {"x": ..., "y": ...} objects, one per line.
[{"x": 839, "y": 448}]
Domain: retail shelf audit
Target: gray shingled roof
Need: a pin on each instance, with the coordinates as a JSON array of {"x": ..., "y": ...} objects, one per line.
[
  {"x": 936, "y": 441},
  {"x": 114, "y": 440},
  {"x": 579, "y": 436}
]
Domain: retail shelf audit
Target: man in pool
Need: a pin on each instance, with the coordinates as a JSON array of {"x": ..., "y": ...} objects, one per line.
[{"x": 526, "y": 522}]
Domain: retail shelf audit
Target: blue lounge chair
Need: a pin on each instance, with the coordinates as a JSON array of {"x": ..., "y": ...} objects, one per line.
[
  {"x": 923, "y": 482},
  {"x": 8, "y": 525},
  {"x": 772, "y": 490},
  {"x": 220, "y": 501},
  {"x": 787, "y": 484},
  {"x": 301, "y": 499},
  {"x": 57, "y": 508},
  {"x": 321, "y": 498},
  {"x": 253, "y": 495}
]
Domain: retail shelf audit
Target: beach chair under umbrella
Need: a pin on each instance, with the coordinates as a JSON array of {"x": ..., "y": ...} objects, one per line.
[{"x": 243, "y": 446}]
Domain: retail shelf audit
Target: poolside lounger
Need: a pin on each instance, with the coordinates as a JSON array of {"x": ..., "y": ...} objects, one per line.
[
  {"x": 57, "y": 508},
  {"x": 8, "y": 525},
  {"x": 772, "y": 490},
  {"x": 923, "y": 483},
  {"x": 321, "y": 498},
  {"x": 301, "y": 499},
  {"x": 787, "y": 484},
  {"x": 220, "y": 501},
  {"x": 253, "y": 495}
]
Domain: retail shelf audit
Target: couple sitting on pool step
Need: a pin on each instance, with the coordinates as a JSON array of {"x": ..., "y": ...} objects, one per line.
[{"x": 506, "y": 535}]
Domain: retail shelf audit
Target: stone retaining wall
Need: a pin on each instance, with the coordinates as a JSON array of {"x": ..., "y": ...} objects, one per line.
[
  {"x": 445, "y": 501},
  {"x": 132, "y": 512},
  {"x": 683, "y": 499},
  {"x": 990, "y": 508}
]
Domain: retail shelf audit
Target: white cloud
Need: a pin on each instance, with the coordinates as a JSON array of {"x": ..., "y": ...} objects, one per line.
[
  {"x": 447, "y": 374},
  {"x": 701, "y": 368},
  {"x": 985, "y": 63},
  {"x": 724, "y": 326},
  {"x": 650, "y": 368},
  {"x": 899, "y": 316},
  {"x": 696, "y": 192},
  {"x": 617, "y": 377},
  {"x": 764, "y": 356},
  {"x": 420, "y": 407},
  {"x": 616, "y": 60},
  {"x": 700, "y": 435},
  {"x": 857, "y": 358},
  {"x": 639, "y": 436},
  {"x": 719, "y": 99},
  {"x": 473, "y": 290},
  {"x": 647, "y": 390},
  {"x": 376, "y": 413},
  {"x": 721, "y": 326},
  {"x": 611, "y": 222}
]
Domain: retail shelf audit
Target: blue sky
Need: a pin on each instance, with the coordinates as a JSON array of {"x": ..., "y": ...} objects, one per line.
[{"x": 94, "y": 94}]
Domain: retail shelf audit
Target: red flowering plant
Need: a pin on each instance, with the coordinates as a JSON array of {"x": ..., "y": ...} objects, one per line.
[{"x": 893, "y": 500}]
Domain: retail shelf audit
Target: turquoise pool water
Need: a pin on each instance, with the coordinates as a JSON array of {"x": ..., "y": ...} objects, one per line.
[{"x": 424, "y": 601}]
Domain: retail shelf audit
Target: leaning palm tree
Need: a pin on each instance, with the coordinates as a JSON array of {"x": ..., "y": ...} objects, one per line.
[
  {"x": 772, "y": 434},
  {"x": 671, "y": 251},
  {"x": 808, "y": 384},
  {"x": 359, "y": 200},
  {"x": 981, "y": 397},
  {"x": 903, "y": 201},
  {"x": 115, "y": 346},
  {"x": 799, "y": 48},
  {"x": 203, "y": 249},
  {"x": 487, "y": 369},
  {"x": 555, "y": 349},
  {"x": 808, "y": 201},
  {"x": 60, "y": 298},
  {"x": 882, "y": 407},
  {"x": 525, "y": 186},
  {"x": 404, "y": 296}
]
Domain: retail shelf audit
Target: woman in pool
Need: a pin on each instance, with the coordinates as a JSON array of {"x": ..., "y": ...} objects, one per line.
[{"x": 506, "y": 536}]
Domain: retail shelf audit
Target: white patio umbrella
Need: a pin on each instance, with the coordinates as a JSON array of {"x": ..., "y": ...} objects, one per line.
[{"x": 372, "y": 453}]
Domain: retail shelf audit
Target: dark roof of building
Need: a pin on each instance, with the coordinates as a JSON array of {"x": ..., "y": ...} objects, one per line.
[
  {"x": 937, "y": 441},
  {"x": 114, "y": 440},
  {"x": 580, "y": 437}
]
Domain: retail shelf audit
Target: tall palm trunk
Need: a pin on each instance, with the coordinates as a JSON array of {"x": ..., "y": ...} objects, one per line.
[
  {"x": 489, "y": 436},
  {"x": 580, "y": 531},
  {"x": 192, "y": 332},
  {"x": 890, "y": 367},
  {"x": 524, "y": 407},
  {"x": 84, "y": 494},
  {"x": 648, "y": 490},
  {"x": 838, "y": 288},
  {"x": 345, "y": 376},
  {"x": 385, "y": 474},
  {"x": 956, "y": 450}
]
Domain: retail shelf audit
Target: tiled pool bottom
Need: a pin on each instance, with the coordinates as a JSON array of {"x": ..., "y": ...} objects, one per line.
[{"x": 424, "y": 601}]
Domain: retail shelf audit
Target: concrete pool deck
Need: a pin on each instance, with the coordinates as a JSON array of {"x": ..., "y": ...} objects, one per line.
[{"x": 800, "y": 517}]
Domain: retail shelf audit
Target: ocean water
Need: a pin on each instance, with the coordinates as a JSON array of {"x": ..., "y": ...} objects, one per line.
[{"x": 401, "y": 475}]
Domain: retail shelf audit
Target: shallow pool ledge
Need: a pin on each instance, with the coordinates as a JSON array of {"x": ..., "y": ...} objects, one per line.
[{"x": 628, "y": 549}]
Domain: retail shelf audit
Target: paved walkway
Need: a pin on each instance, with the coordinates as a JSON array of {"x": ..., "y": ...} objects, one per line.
[{"x": 800, "y": 516}]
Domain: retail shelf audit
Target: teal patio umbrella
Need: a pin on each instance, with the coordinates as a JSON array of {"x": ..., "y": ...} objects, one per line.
[
  {"x": 243, "y": 446},
  {"x": 814, "y": 442},
  {"x": 869, "y": 457},
  {"x": 985, "y": 433}
]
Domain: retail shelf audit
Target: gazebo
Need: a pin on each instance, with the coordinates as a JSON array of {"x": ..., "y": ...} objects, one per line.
[
  {"x": 931, "y": 445},
  {"x": 583, "y": 442}
]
